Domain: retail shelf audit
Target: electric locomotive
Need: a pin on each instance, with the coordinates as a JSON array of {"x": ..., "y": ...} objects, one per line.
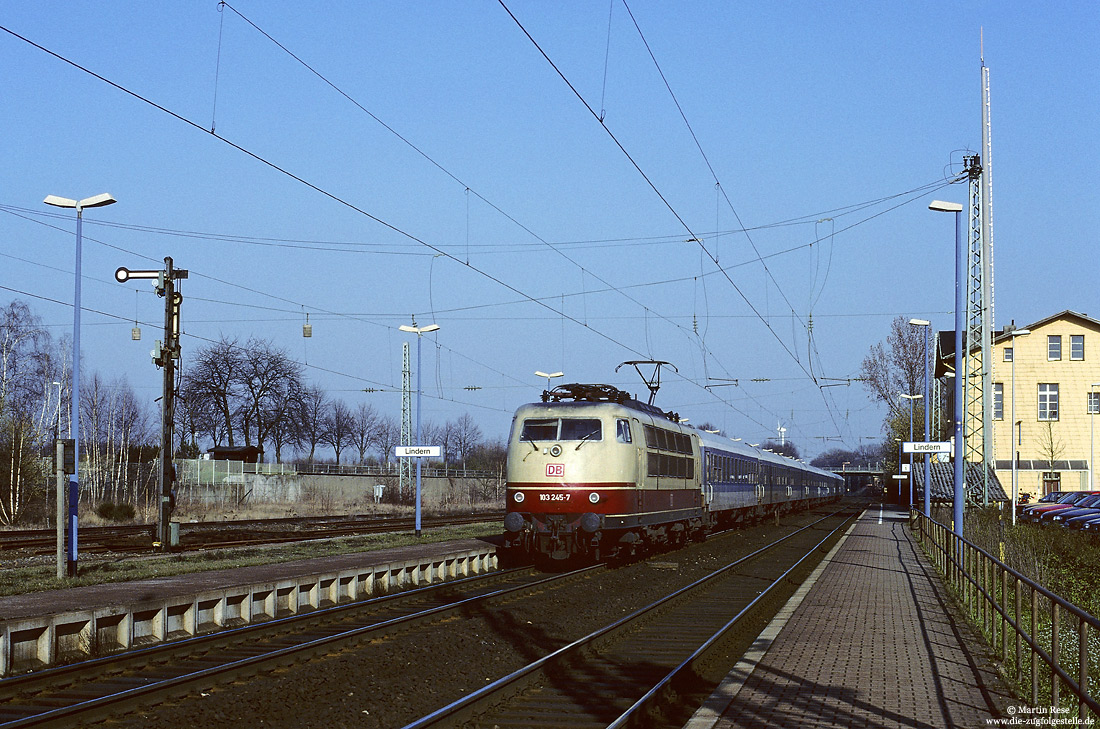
[{"x": 593, "y": 472}]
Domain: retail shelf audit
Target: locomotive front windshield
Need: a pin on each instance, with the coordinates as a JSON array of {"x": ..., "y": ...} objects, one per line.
[{"x": 556, "y": 429}]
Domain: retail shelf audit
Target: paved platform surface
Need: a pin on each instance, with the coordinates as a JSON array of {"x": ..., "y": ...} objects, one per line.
[
  {"x": 127, "y": 593},
  {"x": 870, "y": 641}
]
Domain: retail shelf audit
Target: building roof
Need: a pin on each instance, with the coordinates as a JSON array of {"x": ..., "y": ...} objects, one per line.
[
  {"x": 1083, "y": 319},
  {"x": 945, "y": 339},
  {"x": 943, "y": 483}
]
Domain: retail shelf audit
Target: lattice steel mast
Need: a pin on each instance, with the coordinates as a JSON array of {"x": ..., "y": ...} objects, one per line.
[
  {"x": 978, "y": 381},
  {"x": 405, "y": 478}
]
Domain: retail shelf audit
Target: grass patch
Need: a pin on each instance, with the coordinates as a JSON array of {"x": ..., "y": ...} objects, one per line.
[{"x": 95, "y": 570}]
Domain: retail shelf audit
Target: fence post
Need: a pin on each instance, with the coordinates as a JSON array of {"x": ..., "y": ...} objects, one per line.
[
  {"x": 1034, "y": 653},
  {"x": 1083, "y": 671},
  {"x": 1004, "y": 615},
  {"x": 1016, "y": 595},
  {"x": 1055, "y": 652}
]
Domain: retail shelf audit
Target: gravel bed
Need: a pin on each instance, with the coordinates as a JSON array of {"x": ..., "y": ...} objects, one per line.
[{"x": 390, "y": 683}]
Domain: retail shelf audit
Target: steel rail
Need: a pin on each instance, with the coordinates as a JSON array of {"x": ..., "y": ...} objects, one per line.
[
  {"x": 100, "y": 538},
  {"x": 152, "y": 690},
  {"x": 645, "y": 703},
  {"x": 465, "y": 709}
]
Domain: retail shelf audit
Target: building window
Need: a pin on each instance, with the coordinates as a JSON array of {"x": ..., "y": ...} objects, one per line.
[
  {"x": 1048, "y": 401},
  {"x": 1094, "y": 403},
  {"x": 998, "y": 401},
  {"x": 1054, "y": 347},
  {"x": 1008, "y": 354},
  {"x": 1077, "y": 346}
]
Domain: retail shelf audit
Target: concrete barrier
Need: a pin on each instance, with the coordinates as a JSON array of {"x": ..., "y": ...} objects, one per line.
[{"x": 33, "y": 643}]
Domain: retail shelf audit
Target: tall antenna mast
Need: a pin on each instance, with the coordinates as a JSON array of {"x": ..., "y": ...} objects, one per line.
[{"x": 987, "y": 192}]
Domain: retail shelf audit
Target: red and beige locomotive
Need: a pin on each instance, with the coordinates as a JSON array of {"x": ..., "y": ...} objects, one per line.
[{"x": 592, "y": 472}]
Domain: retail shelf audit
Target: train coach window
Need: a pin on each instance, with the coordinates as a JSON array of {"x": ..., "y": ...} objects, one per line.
[
  {"x": 581, "y": 429},
  {"x": 537, "y": 429},
  {"x": 622, "y": 431}
]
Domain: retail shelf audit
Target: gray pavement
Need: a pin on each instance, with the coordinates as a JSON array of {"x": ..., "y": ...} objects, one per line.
[{"x": 871, "y": 640}]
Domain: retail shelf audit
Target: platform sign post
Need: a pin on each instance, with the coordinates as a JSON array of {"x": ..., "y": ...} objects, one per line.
[
  {"x": 417, "y": 452},
  {"x": 925, "y": 447}
]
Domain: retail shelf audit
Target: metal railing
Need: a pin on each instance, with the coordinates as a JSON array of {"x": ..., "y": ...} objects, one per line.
[
  {"x": 1048, "y": 635},
  {"x": 391, "y": 469}
]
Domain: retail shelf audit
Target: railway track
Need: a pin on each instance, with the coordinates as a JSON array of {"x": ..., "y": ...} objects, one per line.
[
  {"x": 215, "y": 535},
  {"x": 113, "y": 685},
  {"x": 650, "y": 658},
  {"x": 653, "y": 667}
]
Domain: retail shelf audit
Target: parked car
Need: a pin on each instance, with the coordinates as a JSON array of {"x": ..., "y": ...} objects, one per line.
[
  {"x": 1087, "y": 505},
  {"x": 1032, "y": 513},
  {"x": 1081, "y": 522}
]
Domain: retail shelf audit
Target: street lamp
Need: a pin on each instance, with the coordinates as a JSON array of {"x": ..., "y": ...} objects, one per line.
[
  {"x": 96, "y": 201},
  {"x": 419, "y": 332},
  {"x": 550, "y": 376},
  {"x": 927, "y": 416},
  {"x": 911, "y": 398},
  {"x": 1015, "y": 452},
  {"x": 959, "y": 494}
]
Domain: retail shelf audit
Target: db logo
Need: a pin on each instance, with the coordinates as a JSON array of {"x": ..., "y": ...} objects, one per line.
[{"x": 555, "y": 470}]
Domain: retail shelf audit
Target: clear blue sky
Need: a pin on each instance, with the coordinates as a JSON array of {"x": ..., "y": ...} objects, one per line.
[{"x": 803, "y": 111}]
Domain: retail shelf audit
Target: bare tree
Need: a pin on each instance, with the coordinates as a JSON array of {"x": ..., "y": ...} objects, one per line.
[
  {"x": 365, "y": 430},
  {"x": 112, "y": 422},
  {"x": 311, "y": 419},
  {"x": 887, "y": 372},
  {"x": 215, "y": 375},
  {"x": 388, "y": 437},
  {"x": 24, "y": 382},
  {"x": 1051, "y": 447},
  {"x": 440, "y": 435},
  {"x": 339, "y": 427},
  {"x": 467, "y": 437},
  {"x": 283, "y": 408},
  {"x": 269, "y": 381}
]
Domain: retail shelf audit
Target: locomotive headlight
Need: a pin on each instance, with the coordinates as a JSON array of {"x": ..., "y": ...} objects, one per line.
[
  {"x": 555, "y": 450},
  {"x": 594, "y": 497},
  {"x": 518, "y": 497}
]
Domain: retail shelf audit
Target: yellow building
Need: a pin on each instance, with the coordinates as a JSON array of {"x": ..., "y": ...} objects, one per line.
[{"x": 1054, "y": 372}]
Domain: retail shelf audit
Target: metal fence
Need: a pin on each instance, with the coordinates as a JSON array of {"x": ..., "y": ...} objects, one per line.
[
  {"x": 1044, "y": 640},
  {"x": 380, "y": 470}
]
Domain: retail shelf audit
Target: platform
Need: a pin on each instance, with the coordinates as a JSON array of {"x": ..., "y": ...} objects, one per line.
[
  {"x": 871, "y": 640},
  {"x": 40, "y": 629}
]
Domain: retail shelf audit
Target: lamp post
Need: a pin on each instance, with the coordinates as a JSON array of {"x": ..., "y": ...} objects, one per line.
[
  {"x": 550, "y": 376},
  {"x": 1015, "y": 453},
  {"x": 1094, "y": 405},
  {"x": 96, "y": 201},
  {"x": 927, "y": 416},
  {"x": 959, "y": 494},
  {"x": 911, "y": 398},
  {"x": 419, "y": 332}
]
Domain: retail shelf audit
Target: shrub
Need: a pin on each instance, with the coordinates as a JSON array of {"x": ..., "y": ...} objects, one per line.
[{"x": 115, "y": 512}]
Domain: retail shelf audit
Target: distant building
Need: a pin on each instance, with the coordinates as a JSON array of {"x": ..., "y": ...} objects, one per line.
[{"x": 1057, "y": 365}]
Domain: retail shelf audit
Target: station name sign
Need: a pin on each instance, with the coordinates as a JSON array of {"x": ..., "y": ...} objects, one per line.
[
  {"x": 417, "y": 451},
  {"x": 928, "y": 447}
]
